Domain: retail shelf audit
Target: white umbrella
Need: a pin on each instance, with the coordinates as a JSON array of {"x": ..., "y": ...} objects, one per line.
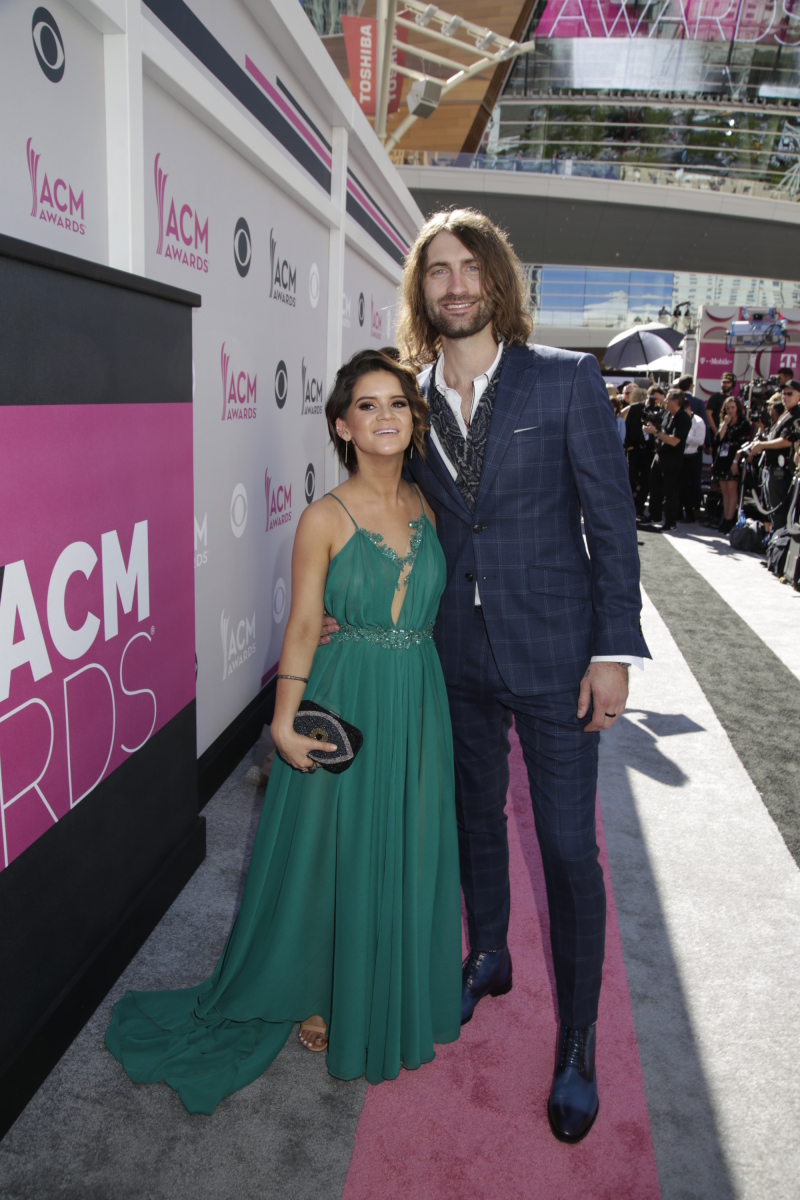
[{"x": 670, "y": 362}]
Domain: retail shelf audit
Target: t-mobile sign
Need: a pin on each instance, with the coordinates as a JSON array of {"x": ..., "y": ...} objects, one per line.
[{"x": 96, "y": 599}]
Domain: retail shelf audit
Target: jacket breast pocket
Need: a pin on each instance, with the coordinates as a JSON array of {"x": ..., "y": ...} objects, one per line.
[{"x": 530, "y": 433}]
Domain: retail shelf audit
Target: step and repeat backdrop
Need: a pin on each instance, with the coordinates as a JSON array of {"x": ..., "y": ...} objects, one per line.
[{"x": 215, "y": 225}]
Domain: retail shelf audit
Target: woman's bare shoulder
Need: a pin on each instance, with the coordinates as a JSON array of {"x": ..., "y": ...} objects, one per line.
[{"x": 429, "y": 513}]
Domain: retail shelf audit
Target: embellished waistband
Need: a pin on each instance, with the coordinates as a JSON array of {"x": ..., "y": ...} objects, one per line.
[{"x": 390, "y": 639}]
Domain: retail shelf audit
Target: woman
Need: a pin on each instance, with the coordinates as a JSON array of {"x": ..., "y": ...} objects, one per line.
[
  {"x": 734, "y": 432},
  {"x": 350, "y": 920}
]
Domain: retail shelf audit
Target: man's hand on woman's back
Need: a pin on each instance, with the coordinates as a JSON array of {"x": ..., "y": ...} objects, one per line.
[{"x": 329, "y": 626}]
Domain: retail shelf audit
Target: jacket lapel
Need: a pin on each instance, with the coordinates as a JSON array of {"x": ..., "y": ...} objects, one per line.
[
  {"x": 451, "y": 496},
  {"x": 519, "y": 375}
]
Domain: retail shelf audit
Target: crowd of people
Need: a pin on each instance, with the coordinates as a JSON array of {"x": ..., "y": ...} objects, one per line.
[{"x": 667, "y": 430}]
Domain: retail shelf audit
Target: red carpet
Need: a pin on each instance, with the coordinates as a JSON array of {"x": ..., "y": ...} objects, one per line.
[{"x": 473, "y": 1123}]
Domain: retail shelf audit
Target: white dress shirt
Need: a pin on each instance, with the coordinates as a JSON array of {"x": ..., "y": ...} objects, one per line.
[
  {"x": 696, "y": 436},
  {"x": 453, "y": 398}
]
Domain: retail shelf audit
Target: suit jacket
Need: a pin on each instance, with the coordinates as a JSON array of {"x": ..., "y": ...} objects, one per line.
[{"x": 553, "y": 451}]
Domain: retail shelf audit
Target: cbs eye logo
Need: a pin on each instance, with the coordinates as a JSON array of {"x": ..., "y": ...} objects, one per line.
[
  {"x": 48, "y": 44},
  {"x": 242, "y": 247},
  {"x": 361, "y": 307},
  {"x": 309, "y": 483},
  {"x": 281, "y": 384}
]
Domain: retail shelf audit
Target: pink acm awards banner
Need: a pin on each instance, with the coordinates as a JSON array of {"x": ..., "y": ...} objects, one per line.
[{"x": 96, "y": 599}]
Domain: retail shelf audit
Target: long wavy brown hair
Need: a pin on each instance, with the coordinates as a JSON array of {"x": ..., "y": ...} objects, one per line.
[{"x": 502, "y": 282}]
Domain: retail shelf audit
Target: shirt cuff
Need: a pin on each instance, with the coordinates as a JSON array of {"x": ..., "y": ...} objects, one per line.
[{"x": 630, "y": 659}]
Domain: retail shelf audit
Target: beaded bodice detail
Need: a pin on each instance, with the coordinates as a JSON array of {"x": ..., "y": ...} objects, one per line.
[
  {"x": 365, "y": 579},
  {"x": 408, "y": 559}
]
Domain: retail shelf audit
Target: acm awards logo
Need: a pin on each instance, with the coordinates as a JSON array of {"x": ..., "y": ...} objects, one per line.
[
  {"x": 312, "y": 393},
  {"x": 201, "y": 542},
  {"x": 48, "y": 44},
  {"x": 238, "y": 391},
  {"x": 242, "y": 247},
  {"x": 185, "y": 234},
  {"x": 238, "y": 642},
  {"x": 19, "y": 612},
  {"x": 376, "y": 328},
  {"x": 279, "y": 502},
  {"x": 282, "y": 276},
  {"x": 57, "y": 204}
]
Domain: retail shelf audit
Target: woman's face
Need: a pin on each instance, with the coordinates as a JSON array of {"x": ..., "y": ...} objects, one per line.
[
  {"x": 731, "y": 411},
  {"x": 378, "y": 420}
]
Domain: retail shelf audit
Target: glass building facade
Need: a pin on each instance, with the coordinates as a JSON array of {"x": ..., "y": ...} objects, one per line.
[
  {"x": 682, "y": 84},
  {"x": 595, "y": 297}
]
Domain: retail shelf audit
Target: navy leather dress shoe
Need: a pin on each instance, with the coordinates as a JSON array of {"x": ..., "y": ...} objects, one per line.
[
  {"x": 483, "y": 974},
  {"x": 573, "y": 1102}
]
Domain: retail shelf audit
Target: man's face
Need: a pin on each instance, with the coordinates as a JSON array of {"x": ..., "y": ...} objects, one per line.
[
  {"x": 673, "y": 405},
  {"x": 627, "y": 393},
  {"x": 454, "y": 301},
  {"x": 727, "y": 387},
  {"x": 657, "y": 399},
  {"x": 784, "y": 376},
  {"x": 790, "y": 396}
]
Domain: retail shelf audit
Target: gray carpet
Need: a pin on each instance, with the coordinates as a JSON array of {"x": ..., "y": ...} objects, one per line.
[
  {"x": 91, "y": 1134},
  {"x": 707, "y": 891},
  {"x": 755, "y": 696}
]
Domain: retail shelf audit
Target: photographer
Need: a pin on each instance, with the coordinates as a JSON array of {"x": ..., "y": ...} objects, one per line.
[
  {"x": 691, "y": 494},
  {"x": 734, "y": 433},
  {"x": 636, "y": 448},
  {"x": 665, "y": 474},
  {"x": 778, "y": 462}
]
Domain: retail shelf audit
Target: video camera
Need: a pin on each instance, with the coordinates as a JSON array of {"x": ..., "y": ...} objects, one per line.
[{"x": 759, "y": 327}]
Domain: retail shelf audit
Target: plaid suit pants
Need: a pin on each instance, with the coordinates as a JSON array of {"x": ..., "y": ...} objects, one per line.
[{"x": 562, "y": 770}]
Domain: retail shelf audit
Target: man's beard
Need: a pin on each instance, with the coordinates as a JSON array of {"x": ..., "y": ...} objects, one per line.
[{"x": 455, "y": 327}]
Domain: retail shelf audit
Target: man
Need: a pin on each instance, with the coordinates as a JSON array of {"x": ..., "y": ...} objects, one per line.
[
  {"x": 778, "y": 451},
  {"x": 636, "y": 445},
  {"x": 691, "y": 492},
  {"x": 685, "y": 385},
  {"x": 522, "y": 443},
  {"x": 665, "y": 474},
  {"x": 716, "y": 401}
]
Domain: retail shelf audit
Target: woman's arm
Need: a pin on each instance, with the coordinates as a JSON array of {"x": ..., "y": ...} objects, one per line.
[{"x": 310, "y": 561}]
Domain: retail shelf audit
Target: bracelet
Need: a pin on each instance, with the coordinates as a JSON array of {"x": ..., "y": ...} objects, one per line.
[{"x": 298, "y": 678}]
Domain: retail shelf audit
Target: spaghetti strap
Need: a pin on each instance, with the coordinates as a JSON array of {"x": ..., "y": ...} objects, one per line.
[
  {"x": 347, "y": 510},
  {"x": 419, "y": 497}
]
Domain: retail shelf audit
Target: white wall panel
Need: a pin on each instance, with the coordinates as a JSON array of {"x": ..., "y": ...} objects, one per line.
[{"x": 52, "y": 132}]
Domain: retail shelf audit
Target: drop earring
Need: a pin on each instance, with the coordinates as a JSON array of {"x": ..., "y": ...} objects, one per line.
[
  {"x": 345, "y": 453},
  {"x": 411, "y": 455}
]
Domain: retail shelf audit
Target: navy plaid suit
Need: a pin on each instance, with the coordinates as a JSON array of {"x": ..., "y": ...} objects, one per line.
[{"x": 553, "y": 453}]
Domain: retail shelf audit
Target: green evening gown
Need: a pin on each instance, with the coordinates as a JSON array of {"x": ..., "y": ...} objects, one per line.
[{"x": 352, "y": 906}]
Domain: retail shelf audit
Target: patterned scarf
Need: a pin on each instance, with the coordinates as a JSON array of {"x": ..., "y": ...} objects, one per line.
[{"x": 466, "y": 455}]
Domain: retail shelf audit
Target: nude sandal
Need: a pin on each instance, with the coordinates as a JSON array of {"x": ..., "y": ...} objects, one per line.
[{"x": 318, "y": 1029}]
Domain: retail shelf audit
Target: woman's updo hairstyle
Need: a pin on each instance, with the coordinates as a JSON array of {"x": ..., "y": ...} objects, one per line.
[{"x": 364, "y": 362}]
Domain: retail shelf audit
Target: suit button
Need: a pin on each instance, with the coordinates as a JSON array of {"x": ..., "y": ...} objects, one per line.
[
  {"x": 469, "y": 577},
  {"x": 477, "y": 529}
]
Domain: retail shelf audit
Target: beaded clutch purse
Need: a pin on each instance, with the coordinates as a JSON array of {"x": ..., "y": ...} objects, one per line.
[{"x": 324, "y": 726}]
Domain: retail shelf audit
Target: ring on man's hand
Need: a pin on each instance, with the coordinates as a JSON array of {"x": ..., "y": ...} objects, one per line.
[{"x": 612, "y": 715}]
